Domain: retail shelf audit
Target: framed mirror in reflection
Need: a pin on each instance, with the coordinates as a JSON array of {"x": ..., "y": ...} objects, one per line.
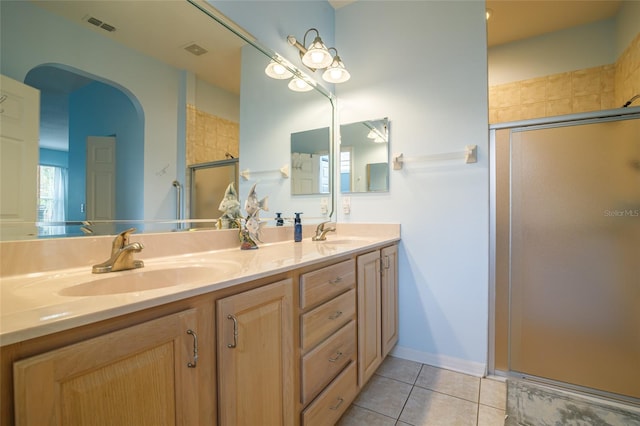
[
  {"x": 364, "y": 156},
  {"x": 166, "y": 100}
]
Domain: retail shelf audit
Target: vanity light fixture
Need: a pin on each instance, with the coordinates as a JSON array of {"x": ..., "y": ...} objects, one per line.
[
  {"x": 336, "y": 72},
  {"x": 318, "y": 56}
]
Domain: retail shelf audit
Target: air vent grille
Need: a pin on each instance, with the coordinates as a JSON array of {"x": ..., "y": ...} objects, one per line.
[
  {"x": 100, "y": 24},
  {"x": 195, "y": 49}
]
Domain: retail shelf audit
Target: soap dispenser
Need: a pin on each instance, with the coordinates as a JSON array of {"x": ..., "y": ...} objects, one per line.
[
  {"x": 279, "y": 219},
  {"x": 297, "y": 228}
]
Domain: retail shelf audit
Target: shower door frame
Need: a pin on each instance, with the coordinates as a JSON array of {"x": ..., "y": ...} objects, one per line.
[{"x": 540, "y": 123}]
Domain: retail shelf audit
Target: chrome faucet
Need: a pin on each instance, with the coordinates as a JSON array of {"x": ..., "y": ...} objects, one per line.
[
  {"x": 121, "y": 255},
  {"x": 322, "y": 229}
]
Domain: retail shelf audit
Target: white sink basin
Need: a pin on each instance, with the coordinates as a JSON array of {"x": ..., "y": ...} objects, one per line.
[{"x": 142, "y": 280}]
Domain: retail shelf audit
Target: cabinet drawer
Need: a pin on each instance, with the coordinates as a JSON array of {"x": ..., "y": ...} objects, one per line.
[
  {"x": 323, "y": 363},
  {"x": 332, "y": 403},
  {"x": 323, "y": 284},
  {"x": 322, "y": 321}
]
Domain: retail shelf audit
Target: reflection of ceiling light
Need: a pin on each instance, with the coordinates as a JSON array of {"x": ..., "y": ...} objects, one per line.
[
  {"x": 299, "y": 85},
  {"x": 375, "y": 133},
  {"x": 489, "y": 12},
  {"x": 277, "y": 71}
]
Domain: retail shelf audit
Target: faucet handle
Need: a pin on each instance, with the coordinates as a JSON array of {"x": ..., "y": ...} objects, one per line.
[{"x": 121, "y": 240}]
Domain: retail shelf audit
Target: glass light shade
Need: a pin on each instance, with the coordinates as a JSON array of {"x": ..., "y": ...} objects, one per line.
[
  {"x": 277, "y": 71},
  {"x": 298, "y": 85},
  {"x": 336, "y": 73},
  {"x": 317, "y": 55}
]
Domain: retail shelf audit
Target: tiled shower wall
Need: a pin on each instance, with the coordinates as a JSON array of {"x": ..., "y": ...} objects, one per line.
[
  {"x": 591, "y": 89},
  {"x": 210, "y": 138}
]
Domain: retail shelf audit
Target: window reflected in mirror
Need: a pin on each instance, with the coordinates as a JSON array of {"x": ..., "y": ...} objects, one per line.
[{"x": 364, "y": 156}]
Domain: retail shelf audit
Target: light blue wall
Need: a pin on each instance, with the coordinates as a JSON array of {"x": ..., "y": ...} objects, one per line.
[
  {"x": 113, "y": 115},
  {"x": 423, "y": 64},
  {"x": 52, "y": 157}
]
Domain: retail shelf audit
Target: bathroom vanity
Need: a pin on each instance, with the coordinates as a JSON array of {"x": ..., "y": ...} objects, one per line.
[{"x": 287, "y": 334}]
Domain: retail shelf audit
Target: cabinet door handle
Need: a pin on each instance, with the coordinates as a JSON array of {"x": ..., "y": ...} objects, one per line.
[
  {"x": 335, "y": 315},
  {"x": 335, "y": 407},
  {"x": 336, "y": 357},
  {"x": 195, "y": 349},
  {"x": 336, "y": 280},
  {"x": 387, "y": 262},
  {"x": 235, "y": 331}
]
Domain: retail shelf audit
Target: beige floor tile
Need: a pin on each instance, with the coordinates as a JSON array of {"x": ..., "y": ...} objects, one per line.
[
  {"x": 428, "y": 408},
  {"x": 403, "y": 424},
  {"x": 493, "y": 393},
  {"x": 357, "y": 416},
  {"x": 400, "y": 369},
  {"x": 449, "y": 382},
  {"x": 489, "y": 416},
  {"x": 384, "y": 396}
]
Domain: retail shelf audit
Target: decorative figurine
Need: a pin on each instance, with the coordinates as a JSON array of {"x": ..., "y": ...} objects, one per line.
[
  {"x": 250, "y": 232},
  {"x": 230, "y": 207}
]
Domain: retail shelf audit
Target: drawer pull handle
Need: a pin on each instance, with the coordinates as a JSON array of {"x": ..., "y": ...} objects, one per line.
[
  {"x": 195, "y": 349},
  {"x": 235, "y": 332},
  {"x": 335, "y": 315},
  {"x": 336, "y": 280},
  {"x": 335, "y": 407},
  {"x": 336, "y": 357}
]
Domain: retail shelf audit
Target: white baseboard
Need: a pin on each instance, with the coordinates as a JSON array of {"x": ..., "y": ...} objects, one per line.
[{"x": 442, "y": 361}]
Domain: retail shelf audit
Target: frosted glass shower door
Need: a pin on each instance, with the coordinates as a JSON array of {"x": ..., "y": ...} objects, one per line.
[{"x": 575, "y": 255}]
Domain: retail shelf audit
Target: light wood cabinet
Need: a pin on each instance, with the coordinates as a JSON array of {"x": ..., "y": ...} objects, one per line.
[
  {"x": 255, "y": 357},
  {"x": 389, "y": 298},
  {"x": 377, "y": 309},
  {"x": 145, "y": 374},
  {"x": 369, "y": 316}
]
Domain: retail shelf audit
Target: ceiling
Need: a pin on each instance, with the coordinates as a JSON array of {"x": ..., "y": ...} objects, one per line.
[
  {"x": 514, "y": 20},
  {"x": 162, "y": 29}
]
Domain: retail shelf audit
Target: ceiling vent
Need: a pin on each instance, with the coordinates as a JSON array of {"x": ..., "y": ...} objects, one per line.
[
  {"x": 100, "y": 24},
  {"x": 195, "y": 49}
]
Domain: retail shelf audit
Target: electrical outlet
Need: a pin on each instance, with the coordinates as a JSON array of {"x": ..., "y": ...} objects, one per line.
[
  {"x": 324, "y": 206},
  {"x": 346, "y": 205}
]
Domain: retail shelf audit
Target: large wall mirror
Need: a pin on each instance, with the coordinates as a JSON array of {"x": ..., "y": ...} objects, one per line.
[
  {"x": 364, "y": 156},
  {"x": 166, "y": 86}
]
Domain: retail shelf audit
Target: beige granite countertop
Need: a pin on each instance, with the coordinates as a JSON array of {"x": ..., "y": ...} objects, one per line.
[{"x": 36, "y": 303}]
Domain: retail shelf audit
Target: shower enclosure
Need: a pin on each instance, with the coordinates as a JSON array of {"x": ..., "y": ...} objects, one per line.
[{"x": 566, "y": 251}]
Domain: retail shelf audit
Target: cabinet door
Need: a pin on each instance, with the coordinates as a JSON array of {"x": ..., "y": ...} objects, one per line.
[
  {"x": 389, "y": 293},
  {"x": 141, "y": 375},
  {"x": 255, "y": 350},
  {"x": 369, "y": 315}
]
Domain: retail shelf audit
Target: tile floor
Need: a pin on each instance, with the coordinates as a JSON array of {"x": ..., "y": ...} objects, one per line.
[{"x": 407, "y": 393}]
